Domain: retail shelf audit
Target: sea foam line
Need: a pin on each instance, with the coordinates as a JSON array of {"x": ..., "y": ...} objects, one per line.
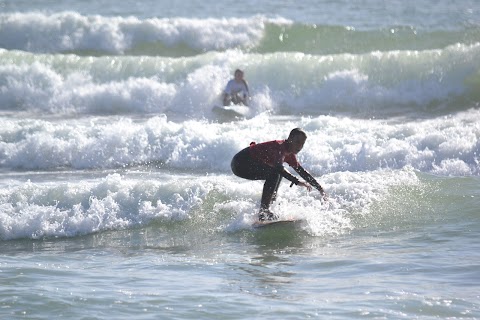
[
  {"x": 443, "y": 145},
  {"x": 71, "y": 31}
]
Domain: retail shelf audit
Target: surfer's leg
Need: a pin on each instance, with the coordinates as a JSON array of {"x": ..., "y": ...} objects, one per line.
[
  {"x": 241, "y": 165},
  {"x": 227, "y": 100},
  {"x": 269, "y": 189},
  {"x": 245, "y": 167},
  {"x": 234, "y": 99},
  {"x": 274, "y": 196}
]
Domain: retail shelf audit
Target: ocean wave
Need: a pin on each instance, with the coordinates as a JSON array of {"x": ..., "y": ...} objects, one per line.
[
  {"x": 331, "y": 39},
  {"x": 376, "y": 84},
  {"x": 386, "y": 199},
  {"x": 443, "y": 145},
  {"x": 71, "y": 32},
  {"x": 39, "y": 210}
]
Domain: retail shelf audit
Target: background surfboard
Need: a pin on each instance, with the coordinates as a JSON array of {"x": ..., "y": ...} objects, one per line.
[{"x": 238, "y": 111}]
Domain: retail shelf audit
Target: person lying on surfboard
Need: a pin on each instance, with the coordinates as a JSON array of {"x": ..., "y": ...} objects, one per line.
[
  {"x": 236, "y": 91},
  {"x": 264, "y": 161}
]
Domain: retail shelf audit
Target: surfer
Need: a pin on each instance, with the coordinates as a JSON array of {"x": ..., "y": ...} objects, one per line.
[
  {"x": 236, "y": 91},
  {"x": 264, "y": 161}
]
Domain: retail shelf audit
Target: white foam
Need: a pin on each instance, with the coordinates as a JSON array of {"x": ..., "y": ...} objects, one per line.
[
  {"x": 66, "y": 209},
  {"x": 37, "y": 210},
  {"x": 281, "y": 83},
  {"x": 71, "y": 31},
  {"x": 334, "y": 144}
]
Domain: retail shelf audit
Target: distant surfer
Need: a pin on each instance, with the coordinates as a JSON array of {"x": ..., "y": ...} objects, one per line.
[
  {"x": 236, "y": 91},
  {"x": 264, "y": 161}
]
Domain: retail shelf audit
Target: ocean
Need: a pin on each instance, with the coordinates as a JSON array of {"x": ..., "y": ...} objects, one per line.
[{"x": 117, "y": 200}]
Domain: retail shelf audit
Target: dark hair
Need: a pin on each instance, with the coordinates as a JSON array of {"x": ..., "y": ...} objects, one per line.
[{"x": 297, "y": 132}]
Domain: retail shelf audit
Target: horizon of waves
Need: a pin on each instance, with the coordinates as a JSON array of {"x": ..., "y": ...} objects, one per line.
[{"x": 71, "y": 32}]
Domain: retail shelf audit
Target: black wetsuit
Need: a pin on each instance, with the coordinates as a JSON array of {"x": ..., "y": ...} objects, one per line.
[{"x": 244, "y": 166}]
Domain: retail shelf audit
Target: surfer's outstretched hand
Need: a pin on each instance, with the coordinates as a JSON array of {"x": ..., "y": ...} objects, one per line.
[
  {"x": 306, "y": 185},
  {"x": 325, "y": 196},
  {"x": 309, "y": 188},
  {"x": 323, "y": 193}
]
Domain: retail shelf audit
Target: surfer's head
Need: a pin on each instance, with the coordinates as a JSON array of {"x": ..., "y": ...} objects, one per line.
[
  {"x": 296, "y": 140},
  {"x": 238, "y": 74}
]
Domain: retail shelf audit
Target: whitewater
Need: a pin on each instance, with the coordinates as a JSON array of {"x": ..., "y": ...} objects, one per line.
[{"x": 116, "y": 193}]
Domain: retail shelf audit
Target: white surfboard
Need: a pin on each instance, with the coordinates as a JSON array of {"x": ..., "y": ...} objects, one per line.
[
  {"x": 236, "y": 111},
  {"x": 265, "y": 223}
]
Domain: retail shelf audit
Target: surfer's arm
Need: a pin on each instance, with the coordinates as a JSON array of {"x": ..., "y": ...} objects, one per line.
[
  {"x": 246, "y": 96},
  {"x": 287, "y": 175},
  {"x": 227, "y": 93},
  {"x": 226, "y": 99},
  {"x": 311, "y": 180},
  {"x": 294, "y": 180}
]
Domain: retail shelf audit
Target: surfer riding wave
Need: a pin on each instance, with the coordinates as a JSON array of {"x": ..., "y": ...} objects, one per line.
[
  {"x": 236, "y": 92},
  {"x": 264, "y": 161}
]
